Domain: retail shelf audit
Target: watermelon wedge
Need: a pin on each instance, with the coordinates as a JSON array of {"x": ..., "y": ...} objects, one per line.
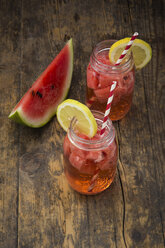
[{"x": 40, "y": 102}]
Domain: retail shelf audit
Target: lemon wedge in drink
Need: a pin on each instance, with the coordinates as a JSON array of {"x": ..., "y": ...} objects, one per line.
[
  {"x": 141, "y": 50},
  {"x": 85, "y": 124}
]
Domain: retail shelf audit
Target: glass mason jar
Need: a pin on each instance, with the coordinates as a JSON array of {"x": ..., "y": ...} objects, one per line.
[
  {"x": 101, "y": 73},
  {"x": 90, "y": 164}
]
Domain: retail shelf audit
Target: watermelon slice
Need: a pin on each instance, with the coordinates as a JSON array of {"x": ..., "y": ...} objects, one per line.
[{"x": 40, "y": 102}]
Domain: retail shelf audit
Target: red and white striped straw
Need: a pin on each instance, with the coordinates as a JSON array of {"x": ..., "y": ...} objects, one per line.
[
  {"x": 127, "y": 48},
  {"x": 110, "y": 98},
  {"x": 108, "y": 108},
  {"x": 107, "y": 111}
]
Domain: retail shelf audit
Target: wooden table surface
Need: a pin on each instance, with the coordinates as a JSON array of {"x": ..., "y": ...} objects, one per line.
[{"x": 37, "y": 207}]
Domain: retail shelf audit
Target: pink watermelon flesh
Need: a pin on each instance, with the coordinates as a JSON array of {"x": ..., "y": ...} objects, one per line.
[
  {"x": 92, "y": 78},
  {"x": 101, "y": 82},
  {"x": 125, "y": 85},
  {"x": 102, "y": 94},
  {"x": 76, "y": 160},
  {"x": 88, "y": 162},
  {"x": 109, "y": 157},
  {"x": 103, "y": 57},
  {"x": 40, "y": 102},
  {"x": 107, "y": 79},
  {"x": 81, "y": 163}
]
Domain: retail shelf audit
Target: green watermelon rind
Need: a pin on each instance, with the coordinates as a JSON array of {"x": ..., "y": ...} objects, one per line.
[{"x": 18, "y": 115}]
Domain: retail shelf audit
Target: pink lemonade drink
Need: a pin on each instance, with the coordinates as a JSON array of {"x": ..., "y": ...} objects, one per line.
[
  {"x": 100, "y": 75},
  {"x": 90, "y": 164}
]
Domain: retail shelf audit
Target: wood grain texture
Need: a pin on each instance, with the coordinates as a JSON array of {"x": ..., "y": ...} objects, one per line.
[
  {"x": 37, "y": 207},
  {"x": 144, "y": 225},
  {"x": 10, "y": 27}
]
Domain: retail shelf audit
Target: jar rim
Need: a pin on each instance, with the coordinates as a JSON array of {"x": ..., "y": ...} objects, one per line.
[
  {"x": 99, "y": 66},
  {"x": 106, "y": 138}
]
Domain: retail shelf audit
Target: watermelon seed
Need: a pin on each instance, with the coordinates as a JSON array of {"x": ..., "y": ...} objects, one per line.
[
  {"x": 125, "y": 77},
  {"x": 33, "y": 93},
  {"x": 39, "y": 94},
  {"x": 52, "y": 86}
]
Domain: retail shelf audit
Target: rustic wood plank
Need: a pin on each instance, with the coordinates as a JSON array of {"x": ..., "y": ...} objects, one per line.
[
  {"x": 141, "y": 147},
  {"x": 9, "y": 133}
]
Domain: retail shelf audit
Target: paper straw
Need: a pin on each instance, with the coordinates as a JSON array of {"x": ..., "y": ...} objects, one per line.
[
  {"x": 127, "y": 48},
  {"x": 108, "y": 108},
  {"x": 110, "y": 98},
  {"x": 107, "y": 111}
]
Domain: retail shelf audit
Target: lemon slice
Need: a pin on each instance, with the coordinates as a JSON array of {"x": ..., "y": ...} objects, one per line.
[
  {"x": 142, "y": 51},
  {"x": 86, "y": 122}
]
